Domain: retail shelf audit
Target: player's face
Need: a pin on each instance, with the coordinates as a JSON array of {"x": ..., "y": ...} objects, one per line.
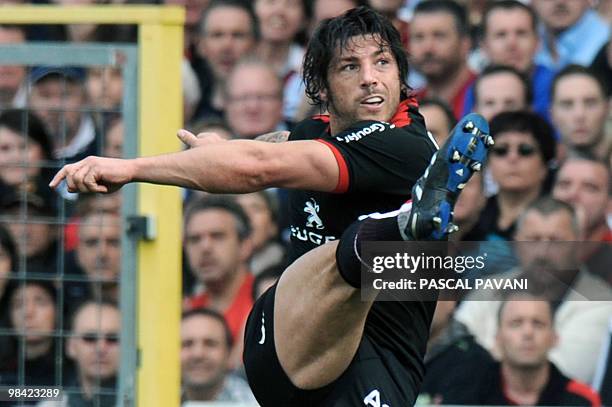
[
  {"x": 204, "y": 351},
  {"x": 525, "y": 333},
  {"x": 213, "y": 248},
  {"x": 500, "y": 92},
  {"x": 584, "y": 185},
  {"x": 510, "y": 38},
  {"x": 516, "y": 162},
  {"x": 579, "y": 110},
  {"x": 364, "y": 83}
]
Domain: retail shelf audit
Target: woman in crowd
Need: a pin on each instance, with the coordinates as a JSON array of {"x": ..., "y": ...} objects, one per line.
[
  {"x": 25, "y": 146},
  {"x": 30, "y": 309}
]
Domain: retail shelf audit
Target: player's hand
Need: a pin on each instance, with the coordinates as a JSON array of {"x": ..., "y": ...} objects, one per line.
[
  {"x": 95, "y": 174},
  {"x": 192, "y": 141}
]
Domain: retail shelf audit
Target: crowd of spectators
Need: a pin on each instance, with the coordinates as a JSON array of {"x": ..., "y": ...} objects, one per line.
[{"x": 538, "y": 70}]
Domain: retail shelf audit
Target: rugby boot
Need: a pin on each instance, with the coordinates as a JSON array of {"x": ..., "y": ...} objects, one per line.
[{"x": 435, "y": 193}]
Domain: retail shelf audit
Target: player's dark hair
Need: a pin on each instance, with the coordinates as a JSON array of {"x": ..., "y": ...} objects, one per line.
[
  {"x": 451, "y": 7},
  {"x": 224, "y": 203},
  {"x": 211, "y": 313},
  {"x": 574, "y": 69},
  {"x": 336, "y": 34},
  {"x": 508, "y": 5},
  {"x": 246, "y": 6},
  {"x": 495, "y": 69}
]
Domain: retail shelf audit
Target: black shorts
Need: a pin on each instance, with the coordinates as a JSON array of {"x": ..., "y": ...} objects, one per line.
[{"x": 375, "y": 377}]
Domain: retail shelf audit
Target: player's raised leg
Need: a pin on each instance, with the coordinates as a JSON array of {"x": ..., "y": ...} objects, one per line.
[{"x": 319, "y": 314}]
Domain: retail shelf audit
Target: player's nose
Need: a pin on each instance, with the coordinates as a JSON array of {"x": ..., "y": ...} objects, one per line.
[{"x": 368, "y": 76}]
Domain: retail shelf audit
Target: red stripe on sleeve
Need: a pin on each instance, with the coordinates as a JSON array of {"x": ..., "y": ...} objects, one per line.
[
  {"x": 343, "y": 178},
  {"x": 576, "y": 387}
]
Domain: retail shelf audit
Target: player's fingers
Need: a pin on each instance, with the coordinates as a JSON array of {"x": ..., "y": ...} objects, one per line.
[
  {"x": 70, "y": 171},
  {"x": 57, "y": 179},
  {"x": 78, "y": 178},
  {"x": 210, "y": 137},
  {"x": 91, "y": 182},
  {"x": 187, "y": 137}
]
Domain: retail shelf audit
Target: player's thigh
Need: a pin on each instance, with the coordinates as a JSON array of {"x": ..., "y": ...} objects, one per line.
[
  {"x": 318, "y": 319},
  {"x": 373, "y": 375}
]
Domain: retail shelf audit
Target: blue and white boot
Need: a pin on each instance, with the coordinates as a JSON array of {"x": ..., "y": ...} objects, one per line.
[{"x": 435, "y": 193}]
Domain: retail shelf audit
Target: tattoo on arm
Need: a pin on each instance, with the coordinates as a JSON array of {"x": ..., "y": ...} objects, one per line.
[{"x": 274, "y": 137}]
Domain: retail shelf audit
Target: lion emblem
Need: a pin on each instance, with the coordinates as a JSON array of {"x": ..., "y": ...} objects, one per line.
[{"x": 312, "y": 208}]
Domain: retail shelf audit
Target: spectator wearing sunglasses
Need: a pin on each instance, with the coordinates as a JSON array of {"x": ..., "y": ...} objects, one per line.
[
  {"x": 519, "y": 162},
  {"x": 94, "y": 347}
]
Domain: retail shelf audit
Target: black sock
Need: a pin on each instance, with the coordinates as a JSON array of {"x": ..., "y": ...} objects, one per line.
[{"x": 348, "y": 253}]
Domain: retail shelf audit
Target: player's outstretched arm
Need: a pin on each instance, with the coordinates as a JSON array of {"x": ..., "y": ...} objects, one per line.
[{"x": 220, "y": 166}]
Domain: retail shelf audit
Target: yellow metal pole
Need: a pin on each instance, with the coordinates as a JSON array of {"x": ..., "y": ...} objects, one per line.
[
  {"x": 159, "y": 274},
  {"x": 107, "y": 14}
]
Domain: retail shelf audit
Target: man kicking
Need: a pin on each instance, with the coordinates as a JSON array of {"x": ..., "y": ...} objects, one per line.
[{"x": 311, "y": 340}]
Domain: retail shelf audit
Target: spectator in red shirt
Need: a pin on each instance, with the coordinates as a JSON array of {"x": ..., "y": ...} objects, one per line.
[
  {"x": 584, "y": 182},
  {"x": 525, "y": 376},
  {"x": 218, "y": 247}
]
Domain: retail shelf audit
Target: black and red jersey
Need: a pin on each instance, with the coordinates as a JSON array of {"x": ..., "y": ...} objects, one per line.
[{"x": 379, "y": 163}]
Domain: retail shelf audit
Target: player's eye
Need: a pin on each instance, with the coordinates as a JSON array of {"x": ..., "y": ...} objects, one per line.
[
  {"x": 349, "y": 67},
  {"x": 383, "y": 61}
]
